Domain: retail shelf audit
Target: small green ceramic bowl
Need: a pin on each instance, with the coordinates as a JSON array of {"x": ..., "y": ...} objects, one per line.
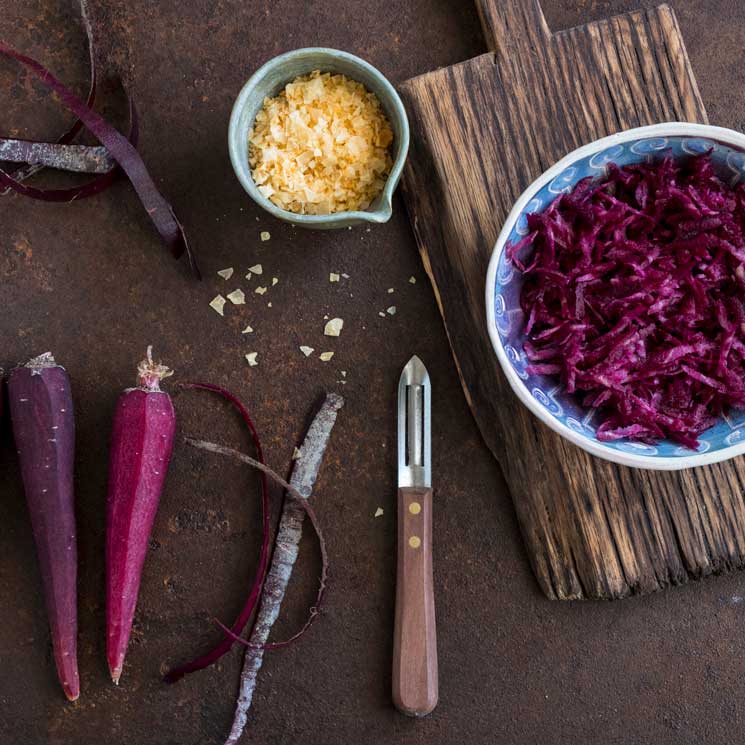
[{"x": 269, "y": 80}]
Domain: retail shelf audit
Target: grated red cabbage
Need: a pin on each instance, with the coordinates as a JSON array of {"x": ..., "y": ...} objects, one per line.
[{"x": 633, "y": 296}]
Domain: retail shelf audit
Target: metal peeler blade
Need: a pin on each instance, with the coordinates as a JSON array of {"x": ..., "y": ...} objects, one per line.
[{"x": 414, "y": 425}]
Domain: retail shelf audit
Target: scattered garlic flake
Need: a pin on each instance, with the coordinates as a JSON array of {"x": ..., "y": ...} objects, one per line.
[
  {"x": 218, "y": 304},
  {"x": 321, "y": 146},
  {"x": 381, "y": 314},
  {"x": 237, "y": 297},
  {"x": 333, "y": 277},
  {"x": 379, "y": 512},
  {"x": 256, "y": 269},
  {"x": 346, "y": 276},
  {"x": 412, "y": 280},
  {"x": 326, "y": 356},
  {"x": 307, "y": 351},
  {"x": 226, "y": 273},
  {"x": 390, "y": 290},
  {"x": 247, "y": 330},
  {"x": 391, "y": 310},
  {"x": 333, "y": 327},
  {"x": 265, "y": 235},
  {"x": 297, "y": 453},
  {"x": 274, "y": 281},
  {"x": 249, "y": 275},
  {"x": 260, "y": 290},
  {"x": 268, "y": 305},
  {"x": 251, "y": 359},
  {"x": 344, "y": 373}
]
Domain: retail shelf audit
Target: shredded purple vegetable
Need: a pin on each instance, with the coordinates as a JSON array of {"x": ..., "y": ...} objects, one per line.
[{"x": 634, "y": 297}]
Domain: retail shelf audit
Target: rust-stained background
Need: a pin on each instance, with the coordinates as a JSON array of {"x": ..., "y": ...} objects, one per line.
[{"x": 91, "y": 282}]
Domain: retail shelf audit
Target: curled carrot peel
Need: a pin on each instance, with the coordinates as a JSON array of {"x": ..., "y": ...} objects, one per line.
[
  {"x": 12, "y": 180},
  {"x": 305, "y": 506},
  {"x": 239, "y": 625},
  {"x": 119, "y": 147}
]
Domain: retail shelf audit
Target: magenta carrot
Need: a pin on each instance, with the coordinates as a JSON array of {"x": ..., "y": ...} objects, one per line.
[
  {"x": 141, "y": 445},
  {"x": 44, "y": 431}
]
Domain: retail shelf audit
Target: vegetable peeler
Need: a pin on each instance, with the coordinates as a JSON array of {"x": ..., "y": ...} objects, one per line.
[{"x": 414, "y": 637}]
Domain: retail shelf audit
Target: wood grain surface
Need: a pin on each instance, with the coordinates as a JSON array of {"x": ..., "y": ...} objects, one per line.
[
  {"x": 415, "y": 684},
  {"x": 482, "y": 131}
]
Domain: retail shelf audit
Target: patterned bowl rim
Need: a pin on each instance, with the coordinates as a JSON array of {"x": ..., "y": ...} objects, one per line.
[{"x": 664, "y": 463}]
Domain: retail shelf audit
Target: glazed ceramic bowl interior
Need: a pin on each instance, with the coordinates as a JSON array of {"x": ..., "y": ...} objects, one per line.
[
  {"x": 544, "y": 395},
  {"x": 269, "y": 80}
]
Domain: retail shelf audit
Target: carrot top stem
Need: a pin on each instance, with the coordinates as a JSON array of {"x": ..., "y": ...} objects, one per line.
[
  {"x": 150, "y": 373},
  {"x": 42, "y": 361}
]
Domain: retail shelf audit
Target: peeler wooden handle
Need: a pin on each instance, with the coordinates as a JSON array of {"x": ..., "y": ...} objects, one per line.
[{"x": 414, "y": 637}]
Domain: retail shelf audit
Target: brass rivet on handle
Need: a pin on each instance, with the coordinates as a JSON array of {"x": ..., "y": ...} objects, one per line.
[
  {"x": 415, "y": 541},
  {"x": 415, "y": 508}
]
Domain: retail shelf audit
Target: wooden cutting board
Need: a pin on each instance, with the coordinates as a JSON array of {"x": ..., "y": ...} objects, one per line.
[{"x": 481, "y": 132}]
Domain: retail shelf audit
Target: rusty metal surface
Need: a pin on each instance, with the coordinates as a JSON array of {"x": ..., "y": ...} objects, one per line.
[{"x": 91, "y": 282}]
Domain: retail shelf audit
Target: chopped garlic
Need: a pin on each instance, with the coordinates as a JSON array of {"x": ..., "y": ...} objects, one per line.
[
  {"x": 237, "y": 297},
  {"x": 390, "y": 290},
  {"x": 391, "y": 310},
  {"x": 333, "y": 277},
  {"x": 379, "y": 512},
  {"x": 274, "y": 281},
  {"x": 346, "y": 276},
  {"x": 249, "y": 275},
  {"x": 260, "y": 290},
  {"x": 321, "y": 146},
  {"x": 297, "y": 453},
  {"x": 218, "y": 304},
  {"x": 344, "y": 373},
  {"x": 307, "y": 351},
  {"x": 251, "y": 359},
  {"x": 333, "y": 327},
  {"x": 381, "y": 314},
  {"x": 247, "y": 330},
  {"x": 226, "y": 273},
  {"x": 265, "y": 235},
  {"x": 326, "y": 356},
  {"x": 256, "y": 269},
  {"x": 412, "y": 280}
]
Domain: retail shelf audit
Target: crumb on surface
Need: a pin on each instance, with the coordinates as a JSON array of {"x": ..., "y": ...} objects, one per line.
[
  {"x": 333, "y": 327},
  {"x": 237, "y": 297},
  {"x": 218, "y": 304}
]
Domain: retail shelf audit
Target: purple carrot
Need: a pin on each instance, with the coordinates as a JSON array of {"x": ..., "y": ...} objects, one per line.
[
  {"x": 141, "y": 445},
  {"x": 44, "y": 430}
]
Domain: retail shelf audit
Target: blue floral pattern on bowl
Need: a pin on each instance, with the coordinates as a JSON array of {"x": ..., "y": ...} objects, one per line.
[{"x": 729, "y": 161}]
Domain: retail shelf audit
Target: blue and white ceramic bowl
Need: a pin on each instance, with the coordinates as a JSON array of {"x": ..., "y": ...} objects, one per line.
[{"x": 542, "y": 394}]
